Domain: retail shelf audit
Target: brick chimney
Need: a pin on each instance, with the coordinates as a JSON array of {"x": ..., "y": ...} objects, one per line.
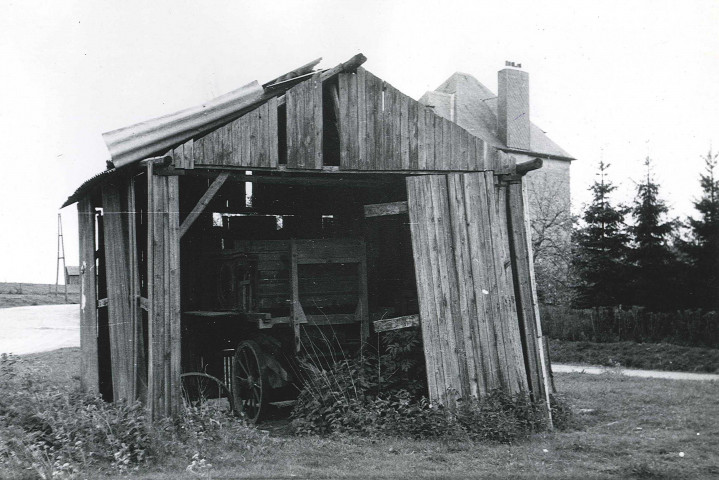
[{"x": 513, "y": 107}]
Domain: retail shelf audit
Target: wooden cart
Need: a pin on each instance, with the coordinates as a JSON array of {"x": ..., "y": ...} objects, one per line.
[{"x": 271, "y": 303}]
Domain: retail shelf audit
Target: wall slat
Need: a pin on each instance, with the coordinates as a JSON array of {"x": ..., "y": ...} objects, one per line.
[
  {"x": 468, "y": 316},
  {"x": 122, "y": 341},
  {"x": 304, "y": 124}
]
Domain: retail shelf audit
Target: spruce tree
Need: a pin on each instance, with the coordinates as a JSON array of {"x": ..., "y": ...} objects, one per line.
[
  {"x": 601, "y": 248},
  {"x": 703, "y": 248},
  {"x": 655, "y": 282}
]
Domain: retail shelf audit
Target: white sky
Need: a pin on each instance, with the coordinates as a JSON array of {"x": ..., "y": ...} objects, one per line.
[{"x": 629, "y": 78}]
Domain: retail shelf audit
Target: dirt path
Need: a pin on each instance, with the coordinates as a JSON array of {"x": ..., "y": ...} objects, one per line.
[
  {"x": 40, "y": 328},
  {"x": 563, "y": 368}
]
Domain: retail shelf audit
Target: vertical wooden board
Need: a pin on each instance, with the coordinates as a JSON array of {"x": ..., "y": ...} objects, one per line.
[
  {"x": 361, "y": 119},
  {"x": 173, "y": 241},
  {"x": 261, "y": 155},
  {"x": 413, "y": 134},
  {"x": 464, "y": 150},
  {"x": 512, "y": 341},
  {"x": 474, "y": 155},
  {"x": 450, "y": 322},
  {"x": 178, "y": 160},
  {"x": 159, "y": 261},
  {"x": 235, "y": 157},
  {"x": 523, "y": 294},
  {"x": 483, "y": 276},
  {"x": 447, "y": 144},
  {"x": 467, "y": 303},
  {"x": 421, "y": 137},
  {"x": 438, "y": 143},
  {"x": 317, "y": 124},
  {"x": 272, "y": 134},
  {"x": 290, "y": 127},
  {"x": 419, "y": 227},
  {"x": 118, "y": 294},
  {"x": 218, "y": 143},
  {"x": 89, "y": 369},
  {"x": 353, "y": 123},
  {"x": 429, "y": 138},
  {"x": 254, "y": 120},
  {"x": 138, "y": 350},
  {"x": 188, "y": 152},
  {"x": 396, "y": 162},
  {"x": 343, "y": 85},
  {"x": 245, "y": 140},
  {"x": 373, "y": 93},
  {"x": 404, "y": 131}
]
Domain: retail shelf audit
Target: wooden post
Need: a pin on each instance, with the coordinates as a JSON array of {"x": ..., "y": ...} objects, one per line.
[
  {"x": 163, "y": 295},
  {"x": 89, "y": 367}
]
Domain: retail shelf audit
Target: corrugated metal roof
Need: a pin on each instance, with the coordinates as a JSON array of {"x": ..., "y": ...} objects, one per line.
[
  {"x": 88, "y": 184},
  {"x": 157, "y": 135},
  {"x": 153, "y": 137}
]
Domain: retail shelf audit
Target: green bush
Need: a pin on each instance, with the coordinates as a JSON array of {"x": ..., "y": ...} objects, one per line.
[
  {"x": 345, "y": 399},
  {"x": 51, "y": 432}
]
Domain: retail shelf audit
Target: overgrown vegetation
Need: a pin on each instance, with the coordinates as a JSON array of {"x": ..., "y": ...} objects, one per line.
[
  {"x": 51, "y": 431},
  {"x": 616, "y": 324},
  {"x": 384, "y": 395}
]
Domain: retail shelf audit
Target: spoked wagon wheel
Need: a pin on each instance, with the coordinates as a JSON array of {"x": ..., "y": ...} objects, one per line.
[
  {"x": 249, "y": 385},
  {"x": 202, "y": 390}
]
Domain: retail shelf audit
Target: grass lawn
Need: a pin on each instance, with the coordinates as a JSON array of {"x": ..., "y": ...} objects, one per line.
[
  {"x": 24, "y": 294},
  {"x": 647, "y": 356},
  {"x": 630, "y": 428}
]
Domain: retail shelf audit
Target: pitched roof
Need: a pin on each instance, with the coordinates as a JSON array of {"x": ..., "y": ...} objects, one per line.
[
  {"x": 475, "y": 110},
  {"x": 72, "y": 270}
]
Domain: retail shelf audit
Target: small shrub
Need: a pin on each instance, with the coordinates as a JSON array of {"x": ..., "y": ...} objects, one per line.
[
  {"x": 59, "y": 433},
  {"x": 342, "y": 400}
]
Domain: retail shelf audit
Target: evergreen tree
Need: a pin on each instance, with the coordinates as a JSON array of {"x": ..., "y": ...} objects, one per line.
[
  {"x": 601, "y": 248},
  {"x": 703, "y": 249},
  {"x": 655, "y": 284}
]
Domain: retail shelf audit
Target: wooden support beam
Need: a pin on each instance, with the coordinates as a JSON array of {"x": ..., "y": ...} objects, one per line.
[
  {"x": 89, "y": 365},
  {"x": 381, "y": 209},
  {"x": 397, "y": 323},
  {"x": 203, "y": 202},
  {"x": 525, "y": 167}
]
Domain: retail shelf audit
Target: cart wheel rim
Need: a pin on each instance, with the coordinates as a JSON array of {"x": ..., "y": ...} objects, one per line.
[{"x": 248, "y": 385}]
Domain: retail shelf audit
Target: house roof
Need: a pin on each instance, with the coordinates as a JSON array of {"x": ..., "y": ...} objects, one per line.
[
  {"x": 475, "y": 109},
  {"x": 72, "y": 270}
]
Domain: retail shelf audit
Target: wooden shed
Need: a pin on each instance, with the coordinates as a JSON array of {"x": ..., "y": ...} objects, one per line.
[{"x": 321, "y": 198}]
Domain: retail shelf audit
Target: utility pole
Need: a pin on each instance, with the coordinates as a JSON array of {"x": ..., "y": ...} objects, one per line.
[{"x": 60, "y": 256}]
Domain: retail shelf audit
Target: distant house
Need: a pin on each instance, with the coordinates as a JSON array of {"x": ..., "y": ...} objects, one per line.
[
  {"x": 72, "y": 275},
  {"x": 503, "y": 122}
]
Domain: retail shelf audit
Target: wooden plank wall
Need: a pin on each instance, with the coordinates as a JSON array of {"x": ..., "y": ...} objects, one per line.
[
  {"x": 120, "y": 315},
  {"x": 469, "y": 325},
  {"x": 164, "y": 349},
  {"x": 304, "y": 124},
  {"x": 89, "y": 368},
  {"x": 522, "y": 264},
  {"x": 249, "y": 141},
  {"x": 383, "y": 129}
]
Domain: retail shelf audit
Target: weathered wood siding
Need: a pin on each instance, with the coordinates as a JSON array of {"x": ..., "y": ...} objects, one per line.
[
  {"x": 249, "y": 141},
  {"x": 468, "y": 313},
  {"x": 383, "y": 129},
  {"x": 304, "y": 124},
  {"x": 164, "y": 347},
  {"x": 89, "y": 367}
]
